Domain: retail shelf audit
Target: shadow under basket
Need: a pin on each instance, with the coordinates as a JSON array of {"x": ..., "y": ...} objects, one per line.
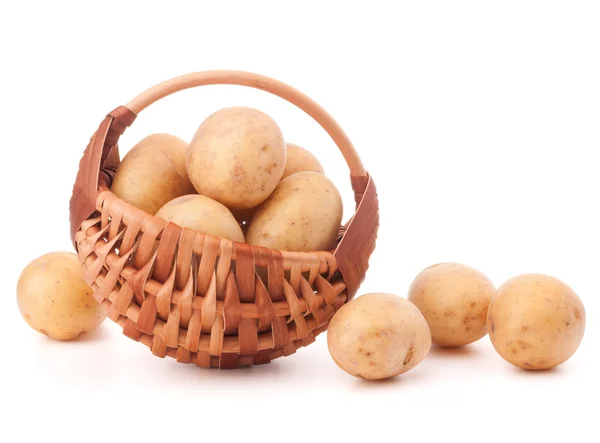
[{"x": 207, "y": 300}]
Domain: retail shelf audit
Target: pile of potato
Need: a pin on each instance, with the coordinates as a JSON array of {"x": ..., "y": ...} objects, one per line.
[
  {"x": 237, "y": 179},
  {"x": 534, "y": 322}
]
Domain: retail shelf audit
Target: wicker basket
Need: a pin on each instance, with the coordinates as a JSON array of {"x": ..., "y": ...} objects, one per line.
[{"x": 197, "y": 298}]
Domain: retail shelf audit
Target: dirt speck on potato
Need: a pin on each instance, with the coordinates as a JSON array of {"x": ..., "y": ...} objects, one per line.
[{"x": 409, "y": 354}]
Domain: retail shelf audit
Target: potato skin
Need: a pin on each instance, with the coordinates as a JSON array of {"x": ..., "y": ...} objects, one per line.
[
  {"x": 298, "y": 159},
  {"x": 202, "y": 214},
  {"x": 236, "y": 157},
  {"x": 153, "y": 173},
  {"x": 303, "y": 214},
  {"x": 536, "y": 321},
  {"x": 378, "y": 336},
  {"x": 55, "y": 300},
  {"x": 454, "y": 300}
]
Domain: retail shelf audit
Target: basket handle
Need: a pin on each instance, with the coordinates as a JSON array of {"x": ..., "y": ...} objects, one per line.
[
  {"x": 100, "y": 158},
  {"x": 257, "y": 81}
]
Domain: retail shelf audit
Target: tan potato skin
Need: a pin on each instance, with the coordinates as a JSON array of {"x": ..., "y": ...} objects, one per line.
[
  {"x": 153, "y": 173},
  {"x": 536, "y": 321},
  {"x": 236, "y": 157},
  {"x": 298, "y": 159},
  {"x": 454, "y": 300},
  {"x": 202, "y": 214},
  {"x": 303, "y": 214},
  {"x": 55, "y": 300},
  {"x": 378, "y": 336}
]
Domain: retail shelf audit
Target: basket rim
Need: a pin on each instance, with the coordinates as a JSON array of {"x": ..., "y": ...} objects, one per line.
[{"x": 323, "y": 258}]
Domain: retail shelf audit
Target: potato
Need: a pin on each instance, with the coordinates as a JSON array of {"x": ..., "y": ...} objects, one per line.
[
  {"x": 202, "y": 214},
  {"x": 378, "y": 336},
  {"x": 236, "y": 157},
  {"x": 536, "y": 321},
  {"x": 454, "y": 300},
  {"x": 303, "y": 214},
  {"x": 153, "y": 173},
  {"x": 298, "y": 159},
  {"x": 55, "y": 300}
]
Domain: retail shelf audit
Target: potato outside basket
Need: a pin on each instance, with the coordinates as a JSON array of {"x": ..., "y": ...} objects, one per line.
[{"x": 198, "y": 298}]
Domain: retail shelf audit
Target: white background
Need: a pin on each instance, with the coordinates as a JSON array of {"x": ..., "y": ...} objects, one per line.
[{"x": 479, "y": 122}]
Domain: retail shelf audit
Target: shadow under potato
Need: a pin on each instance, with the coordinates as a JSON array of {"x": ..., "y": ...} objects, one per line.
[
  {"x": 414, "y": 376},
  {"x": 99, "y": 334},
  {"x": 550, "y": 372},
  {"x": 459, "y": 351}
]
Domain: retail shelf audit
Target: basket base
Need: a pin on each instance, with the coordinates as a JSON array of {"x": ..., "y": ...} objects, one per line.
[
  {"x": 202, "y": 300},
  {"x": 204, "y": 359}
]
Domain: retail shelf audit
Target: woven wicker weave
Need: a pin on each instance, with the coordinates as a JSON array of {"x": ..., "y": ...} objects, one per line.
[{"x": 197, "y": 298}]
